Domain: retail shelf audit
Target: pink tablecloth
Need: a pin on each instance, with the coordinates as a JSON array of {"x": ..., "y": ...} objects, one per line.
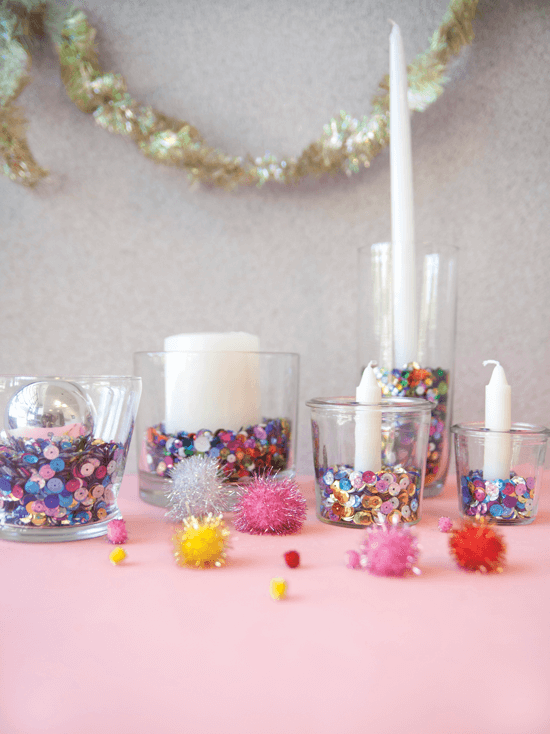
[{"x": 148, "y": 647}]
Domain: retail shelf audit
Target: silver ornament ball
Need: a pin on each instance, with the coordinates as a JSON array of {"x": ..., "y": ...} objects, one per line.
[{"x": 49, "y": 404}]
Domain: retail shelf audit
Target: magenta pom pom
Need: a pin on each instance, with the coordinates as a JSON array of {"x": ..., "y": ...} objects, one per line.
[
  {"x": 116, "y": 532},
  {"x": 272, "y": 506},
  {"x": 445, "y": 524},
  {"x": 389, "y": 550}
]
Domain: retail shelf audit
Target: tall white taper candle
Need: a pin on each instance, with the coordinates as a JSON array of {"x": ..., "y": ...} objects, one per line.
[{"x": 402, "y": 214}]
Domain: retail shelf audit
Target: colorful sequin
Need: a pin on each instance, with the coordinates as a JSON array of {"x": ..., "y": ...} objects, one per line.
[
  {"x": 433, "y": 385},
  {"x": 261, "y": 448},
  {"x": 58, "y": 481},
  {"x": 508, "y": 502},
  {"x": 346, "y": 496}
]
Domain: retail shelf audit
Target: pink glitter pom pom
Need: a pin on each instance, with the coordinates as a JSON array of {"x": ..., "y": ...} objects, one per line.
[
  {"x": 354, "y": 559},
  {"x": 270, "y": 506},
  {"x": 445, "y": 524},
  {"x": 116, "y": 532},
  {"x": 389, "y": 550}
]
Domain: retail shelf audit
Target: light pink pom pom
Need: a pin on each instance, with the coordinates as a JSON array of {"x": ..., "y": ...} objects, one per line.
[
  {"x": 116, "y": 532},
  {"x": 445, "y": 524},
  {"x": 389, "y": 550},
  {"x": 354, "y": 559},
  {"x": 270, "y": 506}
]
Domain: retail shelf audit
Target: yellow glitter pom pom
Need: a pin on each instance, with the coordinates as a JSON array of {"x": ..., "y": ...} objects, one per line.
[
  {"x": 201, "y": 542},
  {"x": 117, "y": 555},
  {"x": 277, "y": 589}
]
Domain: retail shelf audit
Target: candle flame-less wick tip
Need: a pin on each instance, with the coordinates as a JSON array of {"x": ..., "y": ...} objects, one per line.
[
  {"x": 392, "y": 21},
  {"x": 372, "y": 363},
  {"x": 491, "y": 361}
]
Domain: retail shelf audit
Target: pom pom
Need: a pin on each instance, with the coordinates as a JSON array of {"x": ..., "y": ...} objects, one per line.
[
  {"x": 198, "y": 488},
  {"x": 277, "y": 589},
  {"x": 389, "y": 550},
  {"x": 445, "y": 524},
  {"x": 292, "y": 559},
  {"x": 116, "y": 532},
  {"x": 201, "y": 542},
  {"x": 354, "y": 559},
  {"x": 270, "y": 506},
  {"x": 117, "y": 555},
  {"x": 478, "y": 546}
]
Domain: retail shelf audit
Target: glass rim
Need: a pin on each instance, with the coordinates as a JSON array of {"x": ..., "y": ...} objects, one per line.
[
  {"x": 474, "y": 428},
  {"x": 388, "y": 404},
  {"x": 214, "y": 351}
]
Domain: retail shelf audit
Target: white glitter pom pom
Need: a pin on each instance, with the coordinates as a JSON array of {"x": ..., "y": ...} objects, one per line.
[{"x": 198, "y": 488}]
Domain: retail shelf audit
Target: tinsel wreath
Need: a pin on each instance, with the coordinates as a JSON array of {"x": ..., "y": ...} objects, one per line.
[{"x": 346, "y": 145}]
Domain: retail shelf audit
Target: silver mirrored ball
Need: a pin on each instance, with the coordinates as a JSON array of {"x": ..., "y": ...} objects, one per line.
[{"x": 49, "y": 404}]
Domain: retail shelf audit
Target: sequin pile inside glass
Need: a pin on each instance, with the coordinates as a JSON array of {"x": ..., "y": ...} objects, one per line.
[
  {"x": 58, "y": 481},
  {"x": 260, "y": 448},
  {"x": 432, "y": 384},
  {"x": 508, "y": 502},
  {"x": 350, "y": 497}
]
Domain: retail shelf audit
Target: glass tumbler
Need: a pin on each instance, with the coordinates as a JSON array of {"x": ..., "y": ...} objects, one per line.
[
  {"x": 63, "y": 448},
  {"x": 414, "y": 354},
  {"x": 237, "y": 407},
  {"x": 507, "y": 500},
  {"x": 369, "y": 460}
]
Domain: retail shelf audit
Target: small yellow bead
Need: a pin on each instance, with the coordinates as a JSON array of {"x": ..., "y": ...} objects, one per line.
[
  {"x": 277, "y": 588},
  {"x": 117, "y": 555}
]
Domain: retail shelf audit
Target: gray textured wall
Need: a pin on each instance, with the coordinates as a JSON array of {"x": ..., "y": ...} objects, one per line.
[{"x": 116, "y": 252}]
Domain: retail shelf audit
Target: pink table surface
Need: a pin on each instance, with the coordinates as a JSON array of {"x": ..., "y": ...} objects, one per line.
[{"x": 149, "y": 647}]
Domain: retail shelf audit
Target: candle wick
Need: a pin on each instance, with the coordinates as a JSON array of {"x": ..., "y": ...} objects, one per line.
[
  {"x": 372, "y": 363},
  {"x": 491, "y": 361},
  {"x": 392, "y": 21}
]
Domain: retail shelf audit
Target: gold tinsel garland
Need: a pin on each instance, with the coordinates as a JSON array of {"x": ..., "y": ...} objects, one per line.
[{"x": 346, "y": 145}]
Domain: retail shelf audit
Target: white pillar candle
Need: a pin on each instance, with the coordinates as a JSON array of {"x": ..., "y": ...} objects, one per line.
[
  {"x": 211, "y": 381},
  {"x": 402, "y": 215},
  {"x": 497, "y": 456},
  {"x": 368, "y": 423}
]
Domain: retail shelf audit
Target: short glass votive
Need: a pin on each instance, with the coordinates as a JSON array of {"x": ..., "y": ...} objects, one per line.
[
  {"x": 507, "y": 500},
  {"x": 428, "y": 370},
  {"x": 63, "y": 448},
  {"x": 356, "y": 496},
  {"x": 237, "y": 407}
]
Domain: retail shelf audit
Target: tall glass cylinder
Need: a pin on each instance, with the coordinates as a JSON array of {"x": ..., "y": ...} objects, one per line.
[{"x": 425, "y": 367}]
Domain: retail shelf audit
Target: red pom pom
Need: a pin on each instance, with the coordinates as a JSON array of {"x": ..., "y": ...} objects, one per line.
[
  {"x": 478, "y": 546},
  {"x": 292, "y": 559},
  {"x": 270, "y": 506}
]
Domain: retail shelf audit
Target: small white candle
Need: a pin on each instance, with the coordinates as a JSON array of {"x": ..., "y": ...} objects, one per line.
[
  {"x": 368, "y": 423},
  {"x": 402, "y": 213},
  {"x": 211, "y": 381},
  {"x": 497, "y": 457}
]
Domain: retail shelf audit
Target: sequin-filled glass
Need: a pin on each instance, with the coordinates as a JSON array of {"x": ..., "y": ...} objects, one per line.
[
  {"x": 427, "y": 370},
  {"x": 509, "y": 500},
  {"x": 63, "y": 448},
  {"x": 352, "y": 493},
  {"x": 237, "y": 407}
]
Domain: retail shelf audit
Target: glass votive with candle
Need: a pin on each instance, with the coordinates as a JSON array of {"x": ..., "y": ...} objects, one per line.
[
  {"x": 510, "y": 499},
  {"x": 409, "y": 330},
  {"x": 63, "y": 448},
  {"x": 369, "y": 459},
  {"x": 239, "y": 407}
]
